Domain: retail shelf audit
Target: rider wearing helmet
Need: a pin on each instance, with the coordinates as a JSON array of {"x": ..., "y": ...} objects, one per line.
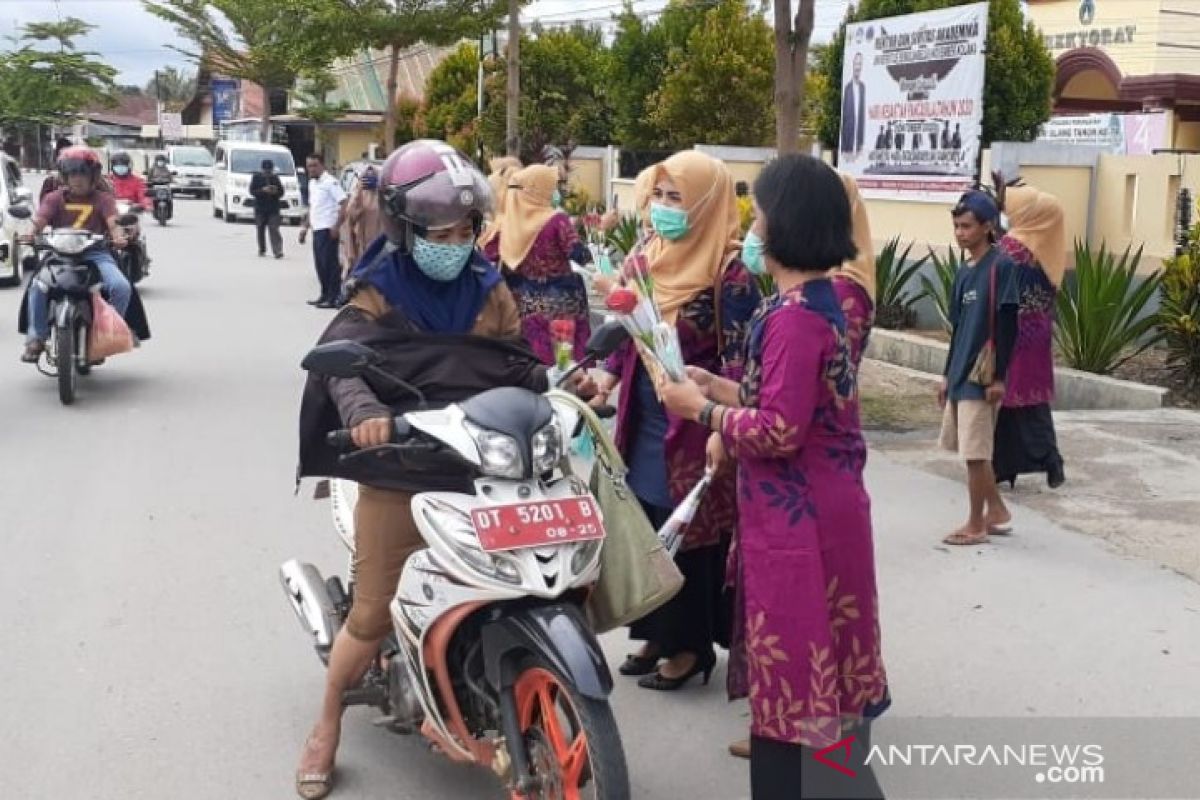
[
  {"x": 439, "y": 313},
  {"x": 160, "y": 175},
  {"x": 80, "y": 204},
  {"x": 126, "y": 184}
]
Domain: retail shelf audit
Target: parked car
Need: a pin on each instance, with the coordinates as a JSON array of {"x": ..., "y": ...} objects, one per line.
[
  {"x": 234, "y": 163},
  {"x": 13, "y": 192},
  {"x": 192, "y": 167}
]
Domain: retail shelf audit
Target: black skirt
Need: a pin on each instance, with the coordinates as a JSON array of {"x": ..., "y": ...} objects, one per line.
[{"x": 1025, "y": 442}]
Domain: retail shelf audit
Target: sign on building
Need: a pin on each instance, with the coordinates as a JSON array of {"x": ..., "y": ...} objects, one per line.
[
  {"x": 912, "y": 103},
  {"x": 1120, "y": 134},
  {"x": 171, "y": 126},
  {"x": 225, "y": 100}
]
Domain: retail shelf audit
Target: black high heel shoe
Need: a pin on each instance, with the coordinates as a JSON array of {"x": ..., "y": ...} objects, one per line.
[
  {"x": 660, "y": 683},
  {"x": 639, "y": 665}
]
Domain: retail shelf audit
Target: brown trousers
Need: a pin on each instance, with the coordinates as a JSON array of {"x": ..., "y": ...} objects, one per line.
[{"x": 385, "y": 535}]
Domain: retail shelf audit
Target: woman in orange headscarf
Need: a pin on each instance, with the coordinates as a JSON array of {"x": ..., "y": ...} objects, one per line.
[
  {"x": 1037, "y": 243},
  {"x": 702, "y": 286},
  {"x": 534, "y": 242}
]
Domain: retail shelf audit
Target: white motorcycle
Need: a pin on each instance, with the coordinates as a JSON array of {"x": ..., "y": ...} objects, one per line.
[{"x": 491, "y": 659}]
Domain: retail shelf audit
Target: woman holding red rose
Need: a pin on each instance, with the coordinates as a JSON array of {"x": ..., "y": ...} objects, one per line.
[
  {"x": 534, "y": 242},
  {"x": 702, "y": 287}
]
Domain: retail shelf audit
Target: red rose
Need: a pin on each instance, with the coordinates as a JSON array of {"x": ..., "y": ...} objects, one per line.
[
  {"x": 622, "y": 301},
  {"x": 563, "y": 330}
]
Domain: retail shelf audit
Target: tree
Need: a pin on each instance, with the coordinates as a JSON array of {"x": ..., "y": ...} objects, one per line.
[
  {"x": 563, "y": 101},
  {"x": 397, "y": 25},
  {"x": 718, "y": 89},
  {"x": 51, "y": 86},
  {"x": 173, "y": 87},
  {"x": 451, "y": 98},
  {"x": 637, "y": 67},
  {"x": 792, "y": 37},
  {"x": 268, "y": 42},
  {"x": 312, "y": 103},
  {"x": 1017, "y": 88}
]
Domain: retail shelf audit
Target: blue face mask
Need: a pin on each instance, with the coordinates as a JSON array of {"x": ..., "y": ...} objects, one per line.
[
  {"x": 121, "y": 170},
  {"x": 370, "y": 182},
  {"x": 556, "y": 199},
  {"x": 752, "y": 253},
  {"x": 670, "y": 223},
  {"x": 439, "y": 261}
]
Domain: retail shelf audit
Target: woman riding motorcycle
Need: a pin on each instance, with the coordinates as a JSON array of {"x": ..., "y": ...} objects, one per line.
[
  {"x": 444, "y": 321},
  {"x": 127, "y": 186}
]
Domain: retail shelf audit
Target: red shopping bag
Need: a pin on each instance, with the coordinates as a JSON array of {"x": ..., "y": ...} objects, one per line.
[{"x": 109, "y": 334}]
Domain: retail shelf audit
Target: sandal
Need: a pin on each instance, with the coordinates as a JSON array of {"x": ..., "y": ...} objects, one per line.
[
  {"x": 965, "y": 538},
  {"x": 314, "y": 785},
  {"x": 1001, "y": 529}
]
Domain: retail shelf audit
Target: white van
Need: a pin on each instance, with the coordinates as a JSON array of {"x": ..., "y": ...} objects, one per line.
[
  {"x": 192, "y": 167},
  {"x": 234, "y": 163}
]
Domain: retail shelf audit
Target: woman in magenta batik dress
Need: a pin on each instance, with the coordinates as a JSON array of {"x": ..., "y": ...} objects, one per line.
[
  {"x": 807, "y": 649},
  {"x": 534, "y": 242}
]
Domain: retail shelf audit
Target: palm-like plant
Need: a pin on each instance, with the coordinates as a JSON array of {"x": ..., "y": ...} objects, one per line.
[
  {"x": 940, "y": 288},
  {"x": 1102, "y": 319},
  {"x": 624, "y": 236},
  {"x": 894, "y": 275},
  {"x": 1179, "y": 313}
]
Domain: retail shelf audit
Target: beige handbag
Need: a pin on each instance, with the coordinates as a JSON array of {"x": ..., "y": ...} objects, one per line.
[{"x": 984, "y": 370}]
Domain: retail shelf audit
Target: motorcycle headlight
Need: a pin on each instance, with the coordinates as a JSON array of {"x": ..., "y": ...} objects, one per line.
[
  {"x": 547, "y": 448},
  {"x": 499, "y": 455},
  {"x": 584, "y": 555},
  {"x": 455, "y": 525},
  {"x": 69, "y": 242}
]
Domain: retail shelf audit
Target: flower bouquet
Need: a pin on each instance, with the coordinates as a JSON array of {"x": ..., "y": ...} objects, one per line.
[
  {"x": 671, "y": 533},
  {"x": 633, "y": 304},
  {"x": 596, "y": 240}
]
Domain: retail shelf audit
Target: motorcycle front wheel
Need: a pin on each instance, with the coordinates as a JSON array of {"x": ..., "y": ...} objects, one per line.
[
  {"x": 571, "y": 741},
  {"x": 64, "y": 355}
]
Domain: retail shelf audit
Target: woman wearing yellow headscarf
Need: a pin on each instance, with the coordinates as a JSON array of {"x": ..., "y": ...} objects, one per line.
[
  {"x": 701, "y": 286},
  {"x": 534, "y": 242},
  {"x": 1037, "y": 243}
]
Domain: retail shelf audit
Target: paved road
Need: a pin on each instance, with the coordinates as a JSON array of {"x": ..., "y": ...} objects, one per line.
[{"x": 148, "y": 651}]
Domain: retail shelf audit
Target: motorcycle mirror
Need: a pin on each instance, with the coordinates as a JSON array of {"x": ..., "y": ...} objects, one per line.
[
  {"x": 606, "y": 339},
  {"x": 127, "y": 219},
  {"x": 341, "y": 359},
  {"x": 20, "y": 212}
]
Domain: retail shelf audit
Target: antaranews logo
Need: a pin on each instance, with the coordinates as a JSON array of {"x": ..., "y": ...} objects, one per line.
[{"x": 1055, "y": 764}]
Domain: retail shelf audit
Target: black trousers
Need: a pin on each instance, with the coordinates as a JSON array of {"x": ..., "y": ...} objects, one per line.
[
  {"x": 264, "y": 223},
  {"x": 1025, "y": 442},
  {"x": 780, "y": 771},
  {"x": 329, "y": 268},
  {"x": 699, "y": 616}
]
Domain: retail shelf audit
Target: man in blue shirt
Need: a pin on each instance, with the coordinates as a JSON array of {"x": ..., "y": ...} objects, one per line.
[{"x": 983, "y": 309}]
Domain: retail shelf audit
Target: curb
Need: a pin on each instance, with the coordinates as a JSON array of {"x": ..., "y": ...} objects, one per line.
[{"x": 1074, "y": 390}]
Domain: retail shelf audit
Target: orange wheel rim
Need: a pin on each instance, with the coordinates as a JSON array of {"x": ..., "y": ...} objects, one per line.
[{"x": 540, "y": 697}]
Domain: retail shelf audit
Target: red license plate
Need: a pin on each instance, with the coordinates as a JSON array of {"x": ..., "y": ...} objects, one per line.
[{"x": 539, "y": 524}]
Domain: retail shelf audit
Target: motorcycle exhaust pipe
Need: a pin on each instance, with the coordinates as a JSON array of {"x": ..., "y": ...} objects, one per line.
[{"x": 310, "y": 599}]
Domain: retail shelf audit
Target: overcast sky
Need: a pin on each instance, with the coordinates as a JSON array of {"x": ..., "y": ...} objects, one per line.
[{"x": 130, "y": 38}]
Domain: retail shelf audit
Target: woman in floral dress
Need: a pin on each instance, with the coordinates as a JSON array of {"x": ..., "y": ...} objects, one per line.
[
  {"x": 534, "y": 243},
  {"x": 702, "y": 286},
  {"x": 807, "y": 648}
]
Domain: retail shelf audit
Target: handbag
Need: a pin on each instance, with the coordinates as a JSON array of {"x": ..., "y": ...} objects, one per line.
[
  {"x": 984, "y": 370},
  {"x": 637, "y": 575}
]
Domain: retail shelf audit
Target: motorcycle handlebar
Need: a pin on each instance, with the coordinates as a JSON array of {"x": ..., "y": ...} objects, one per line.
[{"x": 343, "y": 439}]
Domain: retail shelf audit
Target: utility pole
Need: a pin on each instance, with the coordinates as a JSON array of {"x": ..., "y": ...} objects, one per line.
[
  {"x": 158, "y": 97},
  {"x": 512, "y": 133}
]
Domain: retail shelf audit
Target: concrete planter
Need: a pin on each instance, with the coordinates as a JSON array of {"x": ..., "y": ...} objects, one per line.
[{"x": 1074, "y": 390}]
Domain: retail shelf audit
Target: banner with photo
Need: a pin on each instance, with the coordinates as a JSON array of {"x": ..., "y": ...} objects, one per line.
[{"x": 912, "y": 103}]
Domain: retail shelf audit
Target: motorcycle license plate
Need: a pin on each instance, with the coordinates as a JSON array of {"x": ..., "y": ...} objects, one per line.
[{"x": 537, "y": 524}]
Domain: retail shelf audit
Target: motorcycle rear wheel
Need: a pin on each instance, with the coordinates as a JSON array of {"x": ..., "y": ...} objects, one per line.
[
  {"x": 64, "y": 354},
  {"x": 572, "y": 742}
]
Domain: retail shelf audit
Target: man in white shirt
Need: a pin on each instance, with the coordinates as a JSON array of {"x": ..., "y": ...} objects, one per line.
[{"x": 326, "y": 213}]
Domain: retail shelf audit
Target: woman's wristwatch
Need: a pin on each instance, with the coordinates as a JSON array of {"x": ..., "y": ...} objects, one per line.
[{"x": 706, "y": 414}]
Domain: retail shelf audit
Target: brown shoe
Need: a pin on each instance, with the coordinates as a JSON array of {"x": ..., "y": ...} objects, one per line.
[
  {"x": 740, "y": 748},
  {"x": 33, "y": 351}
]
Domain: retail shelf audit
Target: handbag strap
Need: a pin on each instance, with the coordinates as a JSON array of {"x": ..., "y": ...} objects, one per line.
[
  {"x": 992, "y": 302},
  {"x": 606, "y": 451}
]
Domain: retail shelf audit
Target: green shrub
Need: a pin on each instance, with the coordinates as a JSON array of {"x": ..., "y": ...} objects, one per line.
[
  {"x": 940, "y": 288},
  {"x": 624, "y": 236},
  {"x": 894, "y": 273},
  {"x": 1179, "y": 313},
  {"x": 1102, "y": 319}
]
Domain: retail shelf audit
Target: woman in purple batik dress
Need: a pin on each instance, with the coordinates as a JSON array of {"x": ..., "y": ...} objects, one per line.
[
  {"x": 806, "y": 650},
  {"x": 534, "y": 243}
]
